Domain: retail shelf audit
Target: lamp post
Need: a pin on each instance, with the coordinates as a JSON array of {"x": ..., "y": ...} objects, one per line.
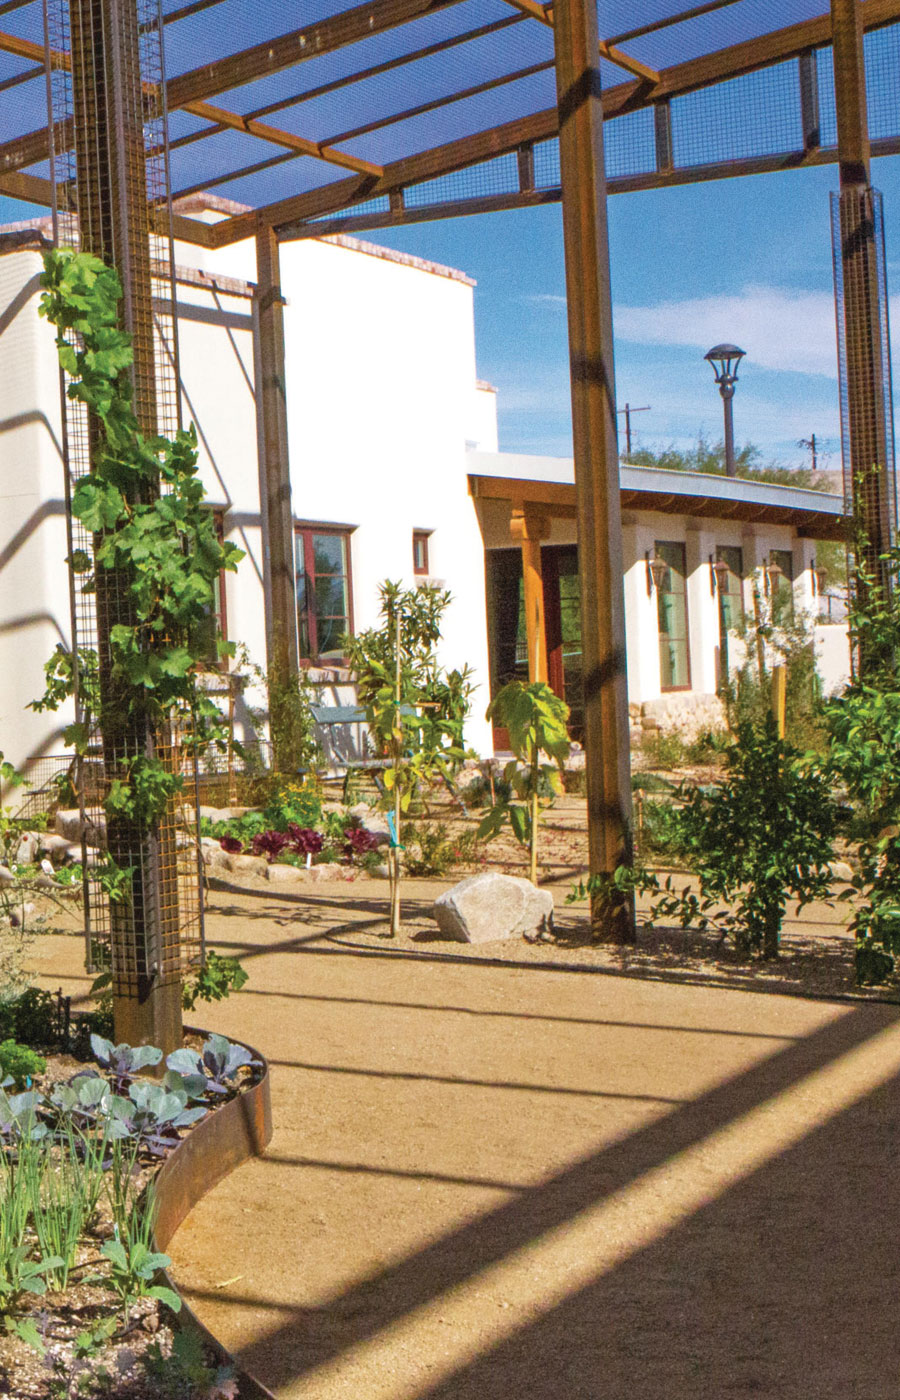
[{"x": 725, "y": 360}]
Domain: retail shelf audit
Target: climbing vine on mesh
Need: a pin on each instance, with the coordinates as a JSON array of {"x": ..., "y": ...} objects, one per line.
[{"x": 143, "y": 502}]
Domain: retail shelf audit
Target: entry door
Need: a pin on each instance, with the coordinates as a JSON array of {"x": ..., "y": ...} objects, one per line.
[{"x": 562, "y": 611}]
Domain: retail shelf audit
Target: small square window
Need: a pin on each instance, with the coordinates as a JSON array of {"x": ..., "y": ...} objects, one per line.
[{"x": 420, "y": 551}]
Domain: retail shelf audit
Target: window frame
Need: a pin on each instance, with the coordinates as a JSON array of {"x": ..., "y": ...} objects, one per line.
[
  {"x": 421, "y": 537},
  {"x": 307, "y": 529},
  {"x": 662, "y": 635}
]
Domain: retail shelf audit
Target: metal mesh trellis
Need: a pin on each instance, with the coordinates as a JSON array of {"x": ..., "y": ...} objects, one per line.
[
  {"x": 864, "y": 362},
  {"x": 106, "y": 56}
]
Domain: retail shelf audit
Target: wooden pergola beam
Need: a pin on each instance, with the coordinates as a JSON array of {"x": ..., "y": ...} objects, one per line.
[
  {"x": 607, "y": 49},
  {"x": 360, "y": 22},
  {"x": 276, "y": 137},
  {"x": 542, "y": 126},
  {"x": 287, "y": 50}
]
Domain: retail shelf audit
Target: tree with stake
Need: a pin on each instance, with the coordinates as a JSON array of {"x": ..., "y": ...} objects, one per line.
[
  {"x": 535, "y": 719},
  {"x": 414, "y": 709}
]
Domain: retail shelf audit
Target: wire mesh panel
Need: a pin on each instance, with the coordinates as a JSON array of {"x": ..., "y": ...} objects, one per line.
[
  {"x": 112, "y": 197},
  {"x": 864, "y": 362}
]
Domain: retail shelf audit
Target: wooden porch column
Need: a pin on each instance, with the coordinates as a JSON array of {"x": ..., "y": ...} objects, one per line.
[
  {"x": 282, "y": 653},
  {"x": 864, "y": 297},
  {"x": 600, "y": 556},
  {"x": 529, "y": 527}
]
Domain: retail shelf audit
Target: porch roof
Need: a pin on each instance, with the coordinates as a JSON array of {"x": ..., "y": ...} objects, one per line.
[{"x": 548, "y": 482}]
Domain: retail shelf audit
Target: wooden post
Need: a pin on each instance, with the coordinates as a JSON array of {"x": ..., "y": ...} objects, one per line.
[
  {"x": 863, "y": 282},
  {"x": 113, "y": 223},
  {"x": 779, "y": 697},
  {"x": 282, "y": 653},
  {"x": 529, "y": 528},
  {"x": 600, "y": 554},
  {"x": 398, "y": 760}
]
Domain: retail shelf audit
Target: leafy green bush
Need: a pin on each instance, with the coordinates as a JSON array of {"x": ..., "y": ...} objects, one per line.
[
  {"x": 658, "y": 827},
  {"x": 664, "y": 748},
  {"x": 216, "y": 980},
  {"x": 707, "y": 747},
  {"x": 433, "y": 849},
  {"x": 20, "y": 1063},
  {"x": 760, "y": 839},
  {"x": 864, "y": 757},
  {"x": 31, "y": 1018},
  {"x": 296, "y": 801}
]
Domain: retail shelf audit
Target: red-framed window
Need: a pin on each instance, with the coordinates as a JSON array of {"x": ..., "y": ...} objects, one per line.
[
  {"x": 420, "y": 552},
  {"x": 672, "y": 612},
  {"x": 324, "y": 597}
]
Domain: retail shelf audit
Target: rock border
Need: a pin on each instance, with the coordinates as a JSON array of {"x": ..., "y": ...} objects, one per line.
[{"x": 228, "y": 1137}]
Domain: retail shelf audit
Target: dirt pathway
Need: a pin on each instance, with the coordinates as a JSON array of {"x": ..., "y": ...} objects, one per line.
[{"x": 514, "y": 1182}]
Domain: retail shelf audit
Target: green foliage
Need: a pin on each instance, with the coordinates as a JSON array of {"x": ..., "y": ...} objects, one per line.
[
  {"x": 293, "y": 801},
  {"x": 425, "y": 729},
  {"x": 415, "y": 709},
  {"x": 761, "y": 838},
  {"x": 163, "y": 547},
  {"x": 133, "y": 1266},
  {"x": 535, "y": 719},
  {"x": 31, "y": 1018},
  {"x": 432, "y": 849},
  {"x": 864, "y": 757},
  {"x": 20, "y": 1063},
  {"x": 187, "y": 1373},
  {"x": 214, "y": 981},
  {"x": 60, "y": 681},
  {"x": 659, "y": 830},
  {"x": 781, "y": 635},
  {"x": 664, "y": 749},
  {"x": 709, "y": 458}
]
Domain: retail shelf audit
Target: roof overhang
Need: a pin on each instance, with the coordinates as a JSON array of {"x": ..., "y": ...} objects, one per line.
[{"x": 813, "y": 514}]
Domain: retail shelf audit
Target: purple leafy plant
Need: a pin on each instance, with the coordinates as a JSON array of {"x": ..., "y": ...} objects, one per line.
[
  {"x": 304, "y": 840},
  {"x": 270, "y": 844},
  {"x": 231, "y": 844},
  {"x": 358, "y": 841}
]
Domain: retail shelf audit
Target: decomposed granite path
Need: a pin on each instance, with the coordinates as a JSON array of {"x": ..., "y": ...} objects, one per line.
[{"x": 520, "y": 1182}]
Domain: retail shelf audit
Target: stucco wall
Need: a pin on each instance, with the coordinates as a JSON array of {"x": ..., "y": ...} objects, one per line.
[{"x": 34, "y": 590}]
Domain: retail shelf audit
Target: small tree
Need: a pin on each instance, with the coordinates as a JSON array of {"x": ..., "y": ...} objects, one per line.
[
  {"x": 758, "y": 841},
  {"x": 535, "y": 719},
  {"x": 415, "y": 709}
]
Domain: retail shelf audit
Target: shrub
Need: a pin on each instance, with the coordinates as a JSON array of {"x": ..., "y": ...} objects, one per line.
[
  {"x": 293, "y": 801},
  {"x": 761, "y": 838},
  {"x": 664, "y": 748},
  {"x": 32, "y": 1018},
  {"x": 216, "y": 980},
  {"x": 20, "y": 1063}
]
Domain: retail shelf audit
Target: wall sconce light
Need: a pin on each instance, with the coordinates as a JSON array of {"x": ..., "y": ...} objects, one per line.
[
  {"x": 773, "y": 572},
  {"x": 819, "y": 575},
  {"x": 720, "y": 575},
  {"x": 656, "y": 573}
]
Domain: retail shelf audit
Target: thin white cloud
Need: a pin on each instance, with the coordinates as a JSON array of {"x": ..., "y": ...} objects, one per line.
[
  {"x": 544, "y": 299},
  {"x": 780, "y": 329}
]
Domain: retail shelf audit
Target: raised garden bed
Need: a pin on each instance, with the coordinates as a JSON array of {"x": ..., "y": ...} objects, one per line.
[{"x": 86, "y": 1329}]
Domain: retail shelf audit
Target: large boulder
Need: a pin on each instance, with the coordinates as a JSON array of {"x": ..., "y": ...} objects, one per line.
[{"x": 486, "y": 908}]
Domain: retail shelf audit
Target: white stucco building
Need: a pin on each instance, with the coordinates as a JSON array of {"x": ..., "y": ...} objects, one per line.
[{"x": 395, "y": 474}]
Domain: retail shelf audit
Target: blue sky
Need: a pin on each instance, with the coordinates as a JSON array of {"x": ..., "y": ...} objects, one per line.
[{"x": 741, "y": 260}]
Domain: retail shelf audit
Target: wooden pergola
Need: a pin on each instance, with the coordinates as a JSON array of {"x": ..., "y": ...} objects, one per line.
[{"x": 399, "y": 111}]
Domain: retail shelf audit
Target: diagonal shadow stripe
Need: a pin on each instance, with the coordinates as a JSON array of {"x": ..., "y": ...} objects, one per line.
[{"x": 383, "y": 1297}]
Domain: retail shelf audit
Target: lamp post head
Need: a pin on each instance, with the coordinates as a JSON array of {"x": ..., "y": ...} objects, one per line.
[{"x": 725, "y": 360}]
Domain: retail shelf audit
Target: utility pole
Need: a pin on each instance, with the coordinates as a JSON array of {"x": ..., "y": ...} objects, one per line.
[
  {"x": 628, "y": 410},
  {"x": 813, "y": 447}
]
